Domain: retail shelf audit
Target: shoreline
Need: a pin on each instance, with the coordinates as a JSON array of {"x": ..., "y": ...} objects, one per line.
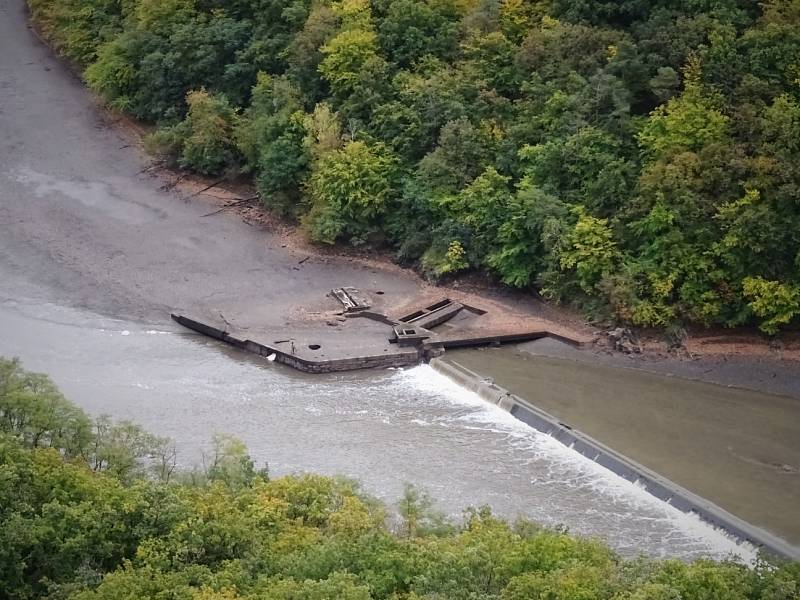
[
  {"x": 701, "y": 346},
  {"x": 702, "y": 350},
  {"x": 101, "y": 229},
  {"x": 770, "y": 375}
]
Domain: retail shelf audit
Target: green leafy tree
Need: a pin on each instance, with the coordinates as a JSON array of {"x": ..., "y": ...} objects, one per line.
[
  {"x": 304, "y": 55},
  {"x": 271, "y": 136},
  {"x": 346, "y": 55},
  {"x": 774, "y": 302},
  {"x": 534, "y": 218},
  {"x": 352, "y": 65},
  {"x": 77, "y": 28},
  {"x": 121, "y": 449},
  {"x": 588, "y": 251},
  {"x": 204, "y": 140},
  {"x": 350, "y": 190},
  {"x": 461, "y": 155},
  {"x": 412, "y": 29},
  {"x": 686, "y": 123},
  {"x": 33, "y": 411}
]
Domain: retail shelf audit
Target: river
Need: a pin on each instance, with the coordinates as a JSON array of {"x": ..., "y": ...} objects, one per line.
[
  {"x": 93, "y": 256},
  {"x": 382, "y": 428}
]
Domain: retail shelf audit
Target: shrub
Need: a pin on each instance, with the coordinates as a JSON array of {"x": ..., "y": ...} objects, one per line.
[
  {"x": 775, "y": 303},
  {"x": 442, "y": 260},
  {"x": 350, "y": 190},
  {"x": 204, "y": 140}
]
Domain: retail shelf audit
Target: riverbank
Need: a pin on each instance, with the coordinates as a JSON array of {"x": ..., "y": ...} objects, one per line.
[
  {"x": 86, "y": 224},
  {"x": 702, "y": 347},
  {"x": 759, "y": 361},
  {"x": 740, "y": 358}
]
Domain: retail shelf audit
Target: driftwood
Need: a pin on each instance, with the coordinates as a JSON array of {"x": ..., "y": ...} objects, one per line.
[
  {"x": 147, "y": 168},
  {"x": 205, "y": 189},
  {"x": 237, "y": 202},
  {"x": 171, "y": 184}
]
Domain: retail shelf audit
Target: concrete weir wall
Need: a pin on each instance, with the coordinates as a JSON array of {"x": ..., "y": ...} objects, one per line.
[
  {"x": 652, "y": 482},
  {"x": 298, "y": 362}
]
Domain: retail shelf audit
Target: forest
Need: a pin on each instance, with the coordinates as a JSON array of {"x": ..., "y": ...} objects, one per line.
[
  {"x": 635, "y": 159},
  {"x": 92, "y": 509}
]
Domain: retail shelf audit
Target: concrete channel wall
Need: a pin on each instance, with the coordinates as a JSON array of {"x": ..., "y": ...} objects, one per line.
[
  {"x": 298, "y": 362},
  {"x": 660, "y": 487}
]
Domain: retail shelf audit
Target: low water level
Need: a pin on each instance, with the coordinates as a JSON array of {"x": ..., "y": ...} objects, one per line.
[
  {"x": 83, "y": 225},
  {"x": 383, "y": 428}
]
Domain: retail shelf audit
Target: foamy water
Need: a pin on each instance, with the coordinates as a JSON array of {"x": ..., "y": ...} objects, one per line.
[
  {"x": 383, "y": 428},
  {"x": 582, "y": 470}
]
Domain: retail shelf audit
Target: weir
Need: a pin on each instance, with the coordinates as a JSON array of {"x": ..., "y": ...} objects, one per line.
[
  {"x": 367, "y": 338},
  {"x": 655, "y": 484},
  {"x": 363, "y": 337},
  {"x": 381, "y": 427}
]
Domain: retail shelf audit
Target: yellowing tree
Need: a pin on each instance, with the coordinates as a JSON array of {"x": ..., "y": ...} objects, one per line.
[{"x": 686, "y": 123}]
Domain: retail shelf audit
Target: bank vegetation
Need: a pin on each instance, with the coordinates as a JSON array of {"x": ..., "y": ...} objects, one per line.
[
  {"x": 92, "y": 509},
  {"x": 635, "y": 158}
]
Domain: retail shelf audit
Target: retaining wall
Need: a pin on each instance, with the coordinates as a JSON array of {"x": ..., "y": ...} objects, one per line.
[{"x": 298, "y": 362}]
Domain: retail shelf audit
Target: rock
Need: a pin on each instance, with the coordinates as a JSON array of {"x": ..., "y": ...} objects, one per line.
[
  {"x": 628, "y": 347},
  {"x": 623, "y": 340},
  {"x": 618, "y": 333}
]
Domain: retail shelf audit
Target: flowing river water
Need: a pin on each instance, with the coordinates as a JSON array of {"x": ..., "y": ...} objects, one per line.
[{"x": 383, "y": 428}]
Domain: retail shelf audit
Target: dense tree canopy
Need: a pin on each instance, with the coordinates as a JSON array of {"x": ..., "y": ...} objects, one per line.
[
  {"x": 635, "y": 158},
  {"x": 95, "y": 511}
]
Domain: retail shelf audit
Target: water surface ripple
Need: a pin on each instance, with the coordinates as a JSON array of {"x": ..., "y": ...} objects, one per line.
[{"x": 383, "y": 428}]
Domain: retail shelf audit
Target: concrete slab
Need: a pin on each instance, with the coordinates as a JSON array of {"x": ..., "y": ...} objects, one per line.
[{"x": 326, "y": 339}]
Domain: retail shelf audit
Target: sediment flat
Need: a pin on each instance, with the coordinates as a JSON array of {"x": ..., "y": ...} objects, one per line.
[{"x": 80, "y": 216}]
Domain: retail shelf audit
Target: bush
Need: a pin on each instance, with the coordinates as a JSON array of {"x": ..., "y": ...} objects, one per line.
[
  {"x": 440, "y": 260},
  {"x": 78, "y": 27},
  {"x": 272, "y": 137},
  {"x": 204, "y": 140},
  {"x": 775, "y": 303},
  {"x": 350, "y": 190}
]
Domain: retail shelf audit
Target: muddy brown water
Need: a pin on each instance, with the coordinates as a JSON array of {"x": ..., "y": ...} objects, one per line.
[{"x": 738, "y": 448}]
